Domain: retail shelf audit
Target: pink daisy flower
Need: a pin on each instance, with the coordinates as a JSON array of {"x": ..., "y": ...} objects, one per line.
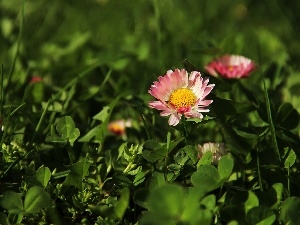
[
  {"x": 180, "y": 94},
  {"x": 231, "y": 66},
  {"x": 217, "y": 149}
]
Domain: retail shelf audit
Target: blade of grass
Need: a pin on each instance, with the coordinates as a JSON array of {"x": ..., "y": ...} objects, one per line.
[
  {"x": 15, "y": 163},
  {"x": 11, "y": 70},
  {"x": 144, "y": 121},
  {"x": 271, "y": 124},
  {"x": 1, "y": 92},
  {"x": 75, "y": 80},
  {"x": 37, "y": 128}
]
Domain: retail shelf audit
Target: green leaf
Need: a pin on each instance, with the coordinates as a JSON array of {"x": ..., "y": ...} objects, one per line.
[
  {"x": 122, "y": 180},
  {"x": 287, "y": 116},
  {"x": 290, "y": 211},
  {"x": 155, "y": 155},
  {"x": 232, "y": 212},
  {"x": 139, "y": 178},
  {"x": 66, "y": 129},
  {"x": 157, "y": 181},
  {"x": 167, "y": 200},
  {"x": 192, "y": 152},
  {"x": 206, "y": 178},
  {"x": 53, "y": 106},
  {"x": 251, "y": 202},
  {"x": 290, "y": 158},
  {"x": 103, "y": 114},
  {"x": 95, "y": 135},
  {"x": 261, "y": 215},
  {"x": 278, "y": 188},
  {"x": 140, "y": 197},
  {"x": 77, "y": 173},
  {"x": 35, "y": 199},
  {"x": 12, "y": 202},
  {"x": 225, "y": 167},
  {"x": 193, "y": 212},
  {"x": 151, "y": 145},
  {"x": 3, "y": 219},
  {"x": 43, "y": 175},
  {"x": 122, "y": 204},
  {"x": 206, "y": 159},
  {"x": 102, "y": 210},
  {"x": 209, "y": 202}
]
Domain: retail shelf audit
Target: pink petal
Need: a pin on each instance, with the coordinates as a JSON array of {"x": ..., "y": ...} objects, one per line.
[{"x": 174, "y": 119}]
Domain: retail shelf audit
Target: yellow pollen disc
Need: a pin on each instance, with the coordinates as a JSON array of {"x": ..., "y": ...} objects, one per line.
[{"x": 182, "y": 97}]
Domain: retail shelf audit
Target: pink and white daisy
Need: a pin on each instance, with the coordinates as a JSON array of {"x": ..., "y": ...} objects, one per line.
[
  {"x": 231, "y": 67},
  {"x": 180, "y": 94},
  {"x": 217, "y": 149}
]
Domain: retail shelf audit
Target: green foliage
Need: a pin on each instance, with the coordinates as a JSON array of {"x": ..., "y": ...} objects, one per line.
[
  {"x": 35, "y": 200},
  {"x": 66, "y": 131}
]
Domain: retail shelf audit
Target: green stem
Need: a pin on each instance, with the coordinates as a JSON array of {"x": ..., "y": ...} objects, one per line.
[
  {"x": 270, "y": 120},
  {"x": 258, "y": 173}
]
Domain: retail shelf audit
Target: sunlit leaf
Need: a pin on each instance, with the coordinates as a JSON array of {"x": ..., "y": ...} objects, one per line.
[
  {"x": 225, "y": 167},
  {"x": 43, "y": 175}
]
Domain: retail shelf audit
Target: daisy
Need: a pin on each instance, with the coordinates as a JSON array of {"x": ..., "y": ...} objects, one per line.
[
  {"x": 118, "y": 127},
  {"x": 217, "y": 149},
  {"x": 180, "y": 94},
  {"x": 231, "y": 67}
]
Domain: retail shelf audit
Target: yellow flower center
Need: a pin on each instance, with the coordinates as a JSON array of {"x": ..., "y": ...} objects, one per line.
[{"x": 182, "y": 97}]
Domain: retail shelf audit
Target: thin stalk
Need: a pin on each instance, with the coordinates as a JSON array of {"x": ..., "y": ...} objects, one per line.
[
  {"x": 11, "y": 70},
  {"x": 144, "y": 121},
  {"x": 270, "y": 120},
  {"x": 258, "y": 173},
  {"x": 1, "y": 92},
  {"x": 288, "y": 181},
  {"x": 40, "y": 122}
]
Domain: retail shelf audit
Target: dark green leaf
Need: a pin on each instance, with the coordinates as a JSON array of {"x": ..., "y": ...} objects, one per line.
[
  {"x": 122, "y": 203},
  {"x": 122, "y": 180},
  {"x": 261, "y": 215},
  {"x": 140, "y": 196},
  {"x": 12, "y": 202},
  {"x": 290, "y": 211},
  {"x": 287, "y": 116},
  {"x": 77, "y": 173},
  {"x": 35, "y": 199}
]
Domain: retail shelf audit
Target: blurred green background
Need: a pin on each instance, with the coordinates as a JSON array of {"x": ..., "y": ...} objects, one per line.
[{"x": 142, "y": 39}]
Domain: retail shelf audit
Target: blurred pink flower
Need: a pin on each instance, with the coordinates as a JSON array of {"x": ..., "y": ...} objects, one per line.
[
  {"x": 35, "y": 79},
  {"x": 218, "y": 150},
  {"x": 180, "y": 94},
  {"x": 118, "y": 127},
  {"x": 231, "y": 66}
]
